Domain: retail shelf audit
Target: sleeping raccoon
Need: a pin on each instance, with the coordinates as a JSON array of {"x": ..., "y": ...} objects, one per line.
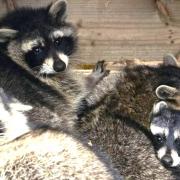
[
  {"x": 35, "y": 48},
  {"x": 165, "y": 127}
]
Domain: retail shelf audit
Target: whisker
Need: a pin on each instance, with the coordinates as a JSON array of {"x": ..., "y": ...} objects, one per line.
[{"x": 36, "y": 68}]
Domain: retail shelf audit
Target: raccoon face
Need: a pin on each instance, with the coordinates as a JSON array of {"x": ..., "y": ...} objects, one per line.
[
  {"x": 165, "y": 128},
  {"x": 39, "y": 39}
]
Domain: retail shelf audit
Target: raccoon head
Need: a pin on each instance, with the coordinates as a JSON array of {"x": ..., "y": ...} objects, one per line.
[
  {"x": 40, "y": 40},
  {"x": 165, "y": 129}
]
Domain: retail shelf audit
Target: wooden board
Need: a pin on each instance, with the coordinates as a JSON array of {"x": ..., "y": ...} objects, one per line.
[{"x": 115, "y": 30}]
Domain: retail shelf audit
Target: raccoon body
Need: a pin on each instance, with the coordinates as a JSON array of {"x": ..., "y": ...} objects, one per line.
[
  {"x": 131, "y": 92},
  {"x": 128, "y": 98},
  {"x": 129, "y": 147},
  {"x": 48, "y": 154}
]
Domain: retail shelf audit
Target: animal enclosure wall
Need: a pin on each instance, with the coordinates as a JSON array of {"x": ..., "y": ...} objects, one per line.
[{"x": 116, "y": 30}]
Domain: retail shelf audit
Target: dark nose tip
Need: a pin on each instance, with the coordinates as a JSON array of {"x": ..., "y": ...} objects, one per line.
[
  {"x": 167, "y": 160},
  {"x": 59, "y": 66}
]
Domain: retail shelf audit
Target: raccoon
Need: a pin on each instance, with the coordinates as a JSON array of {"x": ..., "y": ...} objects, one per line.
[
  {"x": 119, "y": 121},
  {"x": 165, "y": 128},
  {"x": 131, "y": 92},
  {"x": 128, "y": 145},
  {"x": 34, "y": 66},
  {"x": 38, "y": 90}
]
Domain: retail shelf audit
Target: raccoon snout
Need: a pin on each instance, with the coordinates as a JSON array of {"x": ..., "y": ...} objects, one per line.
[
  {"x": 59, "y": 66},
  {"x": 167, "y": 160}
]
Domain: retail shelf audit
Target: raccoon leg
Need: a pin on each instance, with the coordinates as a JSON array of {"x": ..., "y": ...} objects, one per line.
[
  {"x": 98, "y": 94},
  {"x": 97, "y": 75}
]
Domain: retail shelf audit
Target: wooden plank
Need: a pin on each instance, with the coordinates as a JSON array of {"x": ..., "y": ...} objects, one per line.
[
  {"x": 120, "y": 29},
  {"x": 116, "y": 65},
  {"x": 174, "y": 10}
]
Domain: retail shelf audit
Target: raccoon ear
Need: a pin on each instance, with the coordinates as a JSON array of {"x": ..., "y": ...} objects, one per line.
[
  {"x": 166, "y": 92},
  {"x": 58, "y": 11},
  {"x": 158, "y": 107},
  {"x": 7, "y": 34},
  {"x": 170, "y": 60}
]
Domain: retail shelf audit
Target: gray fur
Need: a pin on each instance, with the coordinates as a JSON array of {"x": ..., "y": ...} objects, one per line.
[
  {"x": 51, "y": 155},
  {"x": 52, "y": 101},
  {"x": 119, "y": 123},
  {"x": 53, "y": 98},
  {"x": 120, "y": 99},
  {"x": 129, "y": 148}
]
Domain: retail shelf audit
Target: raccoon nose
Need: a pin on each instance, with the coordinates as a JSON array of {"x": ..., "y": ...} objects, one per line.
[
  {"x": 167, "y": 160},
  {"x": 59, "y": 66}
]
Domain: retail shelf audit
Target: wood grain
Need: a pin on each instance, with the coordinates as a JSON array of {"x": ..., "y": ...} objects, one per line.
[{"x": 114, "y": 30}]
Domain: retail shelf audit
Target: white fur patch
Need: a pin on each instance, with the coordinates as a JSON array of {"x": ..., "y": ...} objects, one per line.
[
  {"x": 64, "y": 58},
  {"x": 29, "y": 44},
  {"x": 159, "y": 106},
  {"x": 161, "y": 152},
  {"x": 175, "y": 157},
  {"x": 159, "y": 130},
  {"x": 57, "y": 34},
  {"x": 177, "y": 134},
  {"x": 67, "y": 31},
  {"x": 61, "y": 32},
  {"x": 47, "y": 67},
  {"x": 13, "y": 117}
]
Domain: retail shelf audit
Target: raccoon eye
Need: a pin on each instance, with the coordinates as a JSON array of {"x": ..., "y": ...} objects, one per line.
[
  {"x": 37, "y": 50},
  {"x": 159, "y": 138},
  {"x": 65, "y": 44},
  {"x": 57, "y": 42},
  {"x": 177, "y": 142}
]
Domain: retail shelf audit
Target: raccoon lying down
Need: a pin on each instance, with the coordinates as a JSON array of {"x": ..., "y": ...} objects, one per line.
[{"x": 120, "y": 123}]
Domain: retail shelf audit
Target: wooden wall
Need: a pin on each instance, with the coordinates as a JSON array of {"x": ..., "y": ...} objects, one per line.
[{"x": 121, "y": 29}]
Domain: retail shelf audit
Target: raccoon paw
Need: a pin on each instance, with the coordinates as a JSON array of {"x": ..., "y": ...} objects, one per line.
[{"x": 100, "y": 71}]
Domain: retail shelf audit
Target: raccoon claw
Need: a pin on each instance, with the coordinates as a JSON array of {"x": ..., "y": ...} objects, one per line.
[{"x": 100, "y": 67}]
